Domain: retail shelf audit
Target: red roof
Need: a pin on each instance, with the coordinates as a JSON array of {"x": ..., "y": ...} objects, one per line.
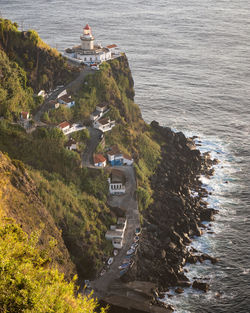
[
  {"x": 63, "y": 125},
  {"x": 25, "y": 115},
  {"x": 87, "y": 27},
  {"x": 111, "y": 46},
  {"x": 99, "y": 158}
]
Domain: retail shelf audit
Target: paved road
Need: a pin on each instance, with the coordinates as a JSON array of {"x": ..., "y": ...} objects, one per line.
[
  {"x": 107, "y": 284},
  {"x": 95, "y": 138},
  {"x": 74, "y": 85}
]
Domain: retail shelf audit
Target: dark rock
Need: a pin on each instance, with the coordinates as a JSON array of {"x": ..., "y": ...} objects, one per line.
[
  {"x": 184, "y": 283},
  {"x": 200, "y": 285},
  {"x": 179, "y": 290}
]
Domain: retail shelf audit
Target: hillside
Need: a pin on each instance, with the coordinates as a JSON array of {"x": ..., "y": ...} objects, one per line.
[{"x": 45, "y": 67}]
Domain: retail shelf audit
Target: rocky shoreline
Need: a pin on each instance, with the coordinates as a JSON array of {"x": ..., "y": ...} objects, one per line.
[{"x": 175, "y": 217}]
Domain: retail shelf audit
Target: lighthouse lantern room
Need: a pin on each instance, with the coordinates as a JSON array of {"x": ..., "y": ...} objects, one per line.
[{"x": 87, "y": 38}]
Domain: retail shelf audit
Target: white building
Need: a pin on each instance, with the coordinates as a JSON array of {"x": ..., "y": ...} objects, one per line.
[
  {"x": 88, "y": 52},
  {"x": 71, "y": 145},
  {"x": 96, "y": 115},
  {"x": 99, "y": 160},
  {"x": 102, "y": 107},
  {"x": 127, "y": 160},
  {"x": 115, "y": 156},
  {"x": 114, "y": 50},
  {"x": 66, "y": 100},
  {"x": 117, "y": 182},
  {"x": 116, "y": 233},
  {"x": 117, "y": 243},
  {"x": 111, "y": 234},
  {"x": 64, "y": 126},
  {"x": 104, "y": 124}
]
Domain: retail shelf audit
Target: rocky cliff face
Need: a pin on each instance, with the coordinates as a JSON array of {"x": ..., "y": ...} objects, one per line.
[
  {"x": 176, "y": 215},
  {"x": 19, "y": 200}
]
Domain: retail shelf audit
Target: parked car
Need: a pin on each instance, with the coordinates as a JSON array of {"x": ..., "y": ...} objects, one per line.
[
  {"x": 138, "y": 231},
  {"x": 130, "y": 251},
  {"x": 110, "y": 261},
  {"x": 136, "y": 238},
  {"x": 102, "y": 272},
  {"x": 125, "y": 265}
]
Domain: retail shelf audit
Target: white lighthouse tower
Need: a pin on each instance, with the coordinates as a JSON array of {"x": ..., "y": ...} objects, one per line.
[{"x": 87, "y": 38}]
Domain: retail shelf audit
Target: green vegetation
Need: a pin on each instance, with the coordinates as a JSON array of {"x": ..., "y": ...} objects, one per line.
[
  {"x": 83, "y": 217},
  {"x": 114, "y": 84},
  {"x": 27, "y": 284},
  {"x": 15, "y": 96},
  {"x": 45, "y": 67},
  {"x": 75, "y": 197}
]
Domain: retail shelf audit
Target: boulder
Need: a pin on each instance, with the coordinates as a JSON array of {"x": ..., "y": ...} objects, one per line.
[
  {"x": 179, "y": 290},
  {"x": 200, "y": 285}
]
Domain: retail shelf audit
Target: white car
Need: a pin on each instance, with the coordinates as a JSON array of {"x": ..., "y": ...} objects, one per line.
[{"x": 110, "y": 261}]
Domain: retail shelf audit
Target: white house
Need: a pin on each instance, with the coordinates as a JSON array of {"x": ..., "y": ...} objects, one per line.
[
  {"x": 114, "y": 50},
  {"x": 71, "y": 144},
  {"x": 66, "y": 100},
  {"x": 99, "y": 160},
  {"x": 116, "y": 233},
  {"x": 102, "y": 107},
  {"x": 24, "y": 116},
  {"x": 127, "y": 160},
  {"x": 95, "y": 115},
  {"x": 117, "y": 243},
  {"x": 64, "y": 126},
  {"x": 117, "y": 182},
  {"x": 62, "y": 93},
  {"x": 111, "y": 234},
  {"x": 115, "y": 156},
  {"x": 104, "y": 124}
]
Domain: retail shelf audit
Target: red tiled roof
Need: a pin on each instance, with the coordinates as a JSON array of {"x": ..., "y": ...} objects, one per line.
[
  {"x": 63, "y": 124},
  {"x": 24, "y": 115},
  {"x": 87, "y": 27},
  {"x": 111, "y": 46},
  {"x": 99, "y": 158}
]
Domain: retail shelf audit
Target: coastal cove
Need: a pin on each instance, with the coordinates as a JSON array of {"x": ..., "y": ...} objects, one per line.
[{"x": 189, "y": 62}]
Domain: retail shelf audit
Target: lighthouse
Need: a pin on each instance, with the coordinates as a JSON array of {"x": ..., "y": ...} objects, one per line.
[{"x": 87, "y": 38}]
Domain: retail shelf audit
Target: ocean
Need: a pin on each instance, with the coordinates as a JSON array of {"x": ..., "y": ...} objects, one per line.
[{"x": 191, "y": 64}]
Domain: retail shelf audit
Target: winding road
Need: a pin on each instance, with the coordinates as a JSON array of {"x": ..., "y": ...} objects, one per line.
[{"x": 106, "y": 284}]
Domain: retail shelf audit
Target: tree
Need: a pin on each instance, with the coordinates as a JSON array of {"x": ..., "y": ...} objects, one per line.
[{"x": 28, "y": 285}]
